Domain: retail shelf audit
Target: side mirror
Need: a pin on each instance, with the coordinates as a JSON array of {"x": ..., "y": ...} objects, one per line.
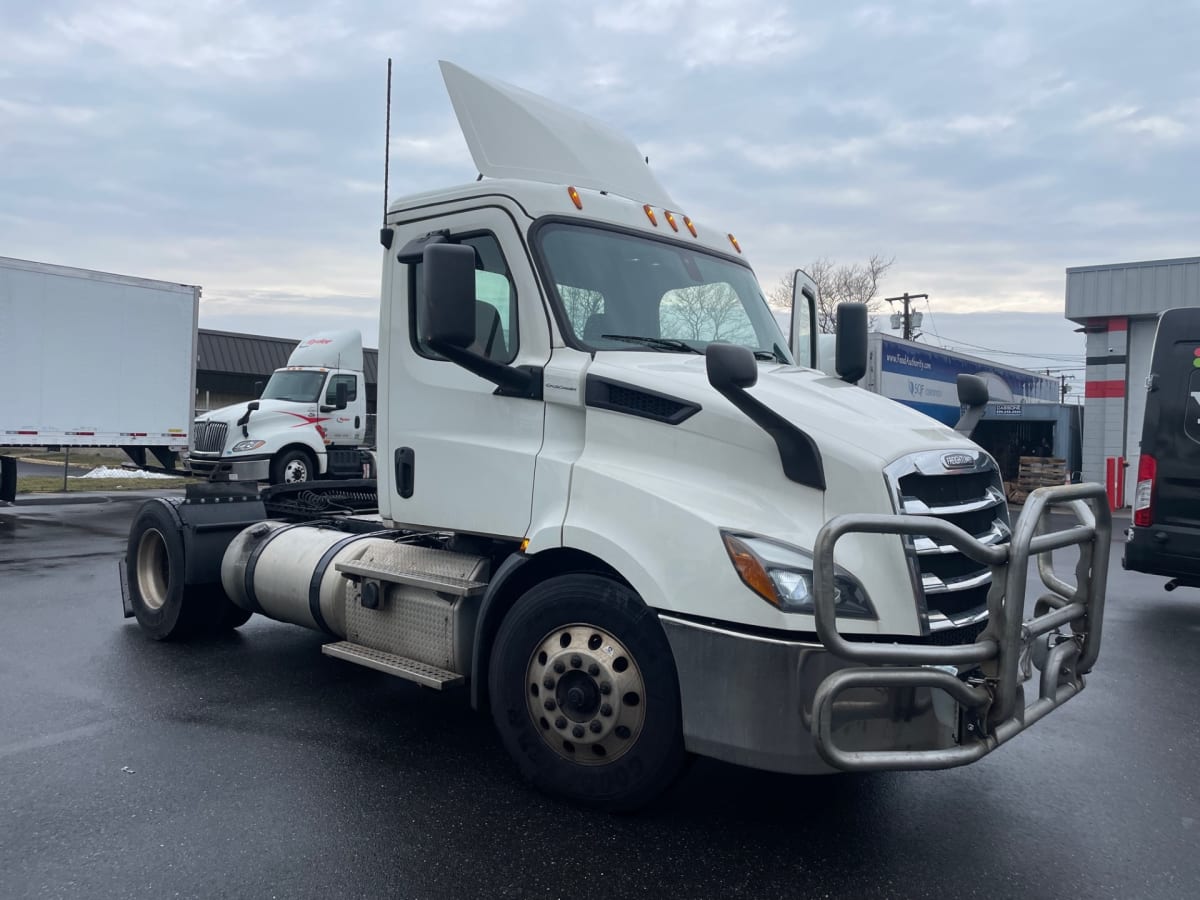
[
  {"x": 252, "y": 406},
  {"x": 258, "y": 388},
  {"x": 449, "y": 301},
  {"x": 851, "y": 351},
  {"x": 972, "y": 393},
  {"x": 730, "y": 366},
  {"x": 341, "y": 395}
]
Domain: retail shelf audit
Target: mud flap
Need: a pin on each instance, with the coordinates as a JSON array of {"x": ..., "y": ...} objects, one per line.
[
  {"x": 126, "y": 601},
  {"x": 8, "y": 479}
]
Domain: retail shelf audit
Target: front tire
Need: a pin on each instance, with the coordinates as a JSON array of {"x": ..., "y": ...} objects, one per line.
[
  {"x": 292, "y": 467},
  {"x": 585, "y": 694}
]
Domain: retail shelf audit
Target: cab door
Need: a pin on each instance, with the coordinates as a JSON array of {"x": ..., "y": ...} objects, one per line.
[
  {"x": 344, "y": 427},
  {"x": 803, "y": 333},
  {"x": 457, "y": 454}
]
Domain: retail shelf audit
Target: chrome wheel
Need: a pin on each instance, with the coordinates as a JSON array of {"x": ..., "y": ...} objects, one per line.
[
  {"x": 585, "y": 694},
  {"x": 296, "y": 470},
  {"x": 153, "y": 568}
]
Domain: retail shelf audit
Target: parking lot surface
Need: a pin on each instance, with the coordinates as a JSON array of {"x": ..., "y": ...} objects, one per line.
[{"x": 252, "y": 766}]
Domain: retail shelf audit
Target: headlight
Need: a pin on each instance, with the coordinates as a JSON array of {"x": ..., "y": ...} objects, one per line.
[
  {"x": 243, "y": 446},
  {"x": 783, "y": 576}
]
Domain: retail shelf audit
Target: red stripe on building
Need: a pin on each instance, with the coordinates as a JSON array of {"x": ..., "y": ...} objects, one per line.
[
  {"x": 1118, "y": 324},
  {"x": 1105, "y": 389}
]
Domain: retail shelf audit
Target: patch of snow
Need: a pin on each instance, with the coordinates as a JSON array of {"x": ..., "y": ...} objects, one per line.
[{"x": 106, "y": 472}]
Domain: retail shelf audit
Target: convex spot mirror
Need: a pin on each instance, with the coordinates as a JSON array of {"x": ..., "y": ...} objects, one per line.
[{"x": 730, "y": 366}]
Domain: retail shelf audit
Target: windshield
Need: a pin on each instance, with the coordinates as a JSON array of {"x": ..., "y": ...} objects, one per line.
[
  {"x": 626, "y": 292},
  {"x": 300, "y": 387}
]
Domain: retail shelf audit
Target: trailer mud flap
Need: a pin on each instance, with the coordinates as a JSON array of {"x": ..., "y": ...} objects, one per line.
[{"x": 8, "y": 479}]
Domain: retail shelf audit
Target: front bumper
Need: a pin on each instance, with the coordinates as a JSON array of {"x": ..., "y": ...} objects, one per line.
[
  {"x": 1162, "y": 550},
  {"x": 810, "y": 706},
  {"x": 748, "y": 699},
  {"x": 224, "y": 468}
]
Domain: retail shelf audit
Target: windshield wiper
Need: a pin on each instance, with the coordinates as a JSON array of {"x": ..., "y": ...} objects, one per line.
[
  {"x": 663, "y": 344},
  {"x": 775, "y": 354}
]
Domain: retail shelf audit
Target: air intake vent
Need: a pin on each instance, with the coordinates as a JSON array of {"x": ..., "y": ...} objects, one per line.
[{"x": 637, "y": 401}]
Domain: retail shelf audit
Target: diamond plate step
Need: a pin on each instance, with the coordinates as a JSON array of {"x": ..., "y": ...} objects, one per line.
[
  {"x": 422, "y": 567},
  {"x": 390, "y": 663}
]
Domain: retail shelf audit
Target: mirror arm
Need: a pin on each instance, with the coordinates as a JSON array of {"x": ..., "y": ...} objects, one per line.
[
  {"x": 511, "y": 381},
  {"x": 798, "y": 452}
]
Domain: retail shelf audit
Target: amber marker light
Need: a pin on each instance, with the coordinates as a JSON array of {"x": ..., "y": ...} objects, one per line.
[
  {"x": 690, "y": 226},
  {"x": 670, "y": 219},
  {"x": 750, "y": 569},
  {"x": 574, "y": 195},
  {"x": 650, "y": 215},
  {"x": 736, "y": 245}
]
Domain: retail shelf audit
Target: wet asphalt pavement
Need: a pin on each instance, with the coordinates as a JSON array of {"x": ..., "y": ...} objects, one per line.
[{"x": 252, "y": 766}]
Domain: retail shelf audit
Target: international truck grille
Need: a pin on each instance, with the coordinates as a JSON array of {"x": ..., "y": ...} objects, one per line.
[
  {"x": 969, "y": 494},
  {"x": 209, "y": 437}
]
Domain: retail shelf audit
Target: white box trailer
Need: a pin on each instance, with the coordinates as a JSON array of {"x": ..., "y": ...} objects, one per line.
[{"x": 93, "y": 359}]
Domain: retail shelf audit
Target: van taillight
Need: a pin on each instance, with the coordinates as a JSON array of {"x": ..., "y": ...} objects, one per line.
[{"x": 1143, "y": 497}]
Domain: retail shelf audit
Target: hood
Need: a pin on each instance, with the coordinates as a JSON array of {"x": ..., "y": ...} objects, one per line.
[
  {"x": 836, "y": 415},
  {"x": 275, "y": 413}
]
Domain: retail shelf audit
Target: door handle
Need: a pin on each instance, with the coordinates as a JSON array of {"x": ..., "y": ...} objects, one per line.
[{"x": 405, "y": 471}]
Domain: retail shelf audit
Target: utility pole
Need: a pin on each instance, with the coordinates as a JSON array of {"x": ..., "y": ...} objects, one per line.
[
  {"x": 1065, "y": 388},
  {"x": 907, "y": 316}
]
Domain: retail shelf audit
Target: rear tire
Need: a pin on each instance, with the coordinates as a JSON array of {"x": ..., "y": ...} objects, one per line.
[
  {"x": 604, "y": 730},
  {"x": 164, "y": 606},
  {"x": 293, "y": 466}
]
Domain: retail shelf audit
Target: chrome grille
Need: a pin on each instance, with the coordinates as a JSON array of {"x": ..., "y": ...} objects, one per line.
[
  {"x": 953, "y": 587},
  {"x": 208, "y": 437}
]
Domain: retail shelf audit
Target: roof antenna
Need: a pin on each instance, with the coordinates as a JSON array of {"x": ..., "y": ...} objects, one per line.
[{"x": 387, "y": 140}]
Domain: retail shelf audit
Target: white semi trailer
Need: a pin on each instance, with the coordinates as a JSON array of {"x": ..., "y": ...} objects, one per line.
[
  {"x": 95, "y": 359},
  {"x": 617, "y": 507}
]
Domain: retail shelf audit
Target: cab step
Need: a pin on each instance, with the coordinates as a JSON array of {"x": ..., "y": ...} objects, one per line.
[{"x": 391, "y": 664}]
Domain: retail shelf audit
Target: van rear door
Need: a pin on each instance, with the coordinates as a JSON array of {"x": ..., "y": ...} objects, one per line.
[{"x": 1175, "y": 439}]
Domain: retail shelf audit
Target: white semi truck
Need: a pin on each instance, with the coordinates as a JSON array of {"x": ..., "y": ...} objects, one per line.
[
  {"x": 95, "y": 359},
  {"x": 309, "y": 422},
  {"x": 617, "y": 507}
]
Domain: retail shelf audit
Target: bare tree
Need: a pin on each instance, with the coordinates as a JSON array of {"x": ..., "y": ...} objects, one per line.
[
  {"x": 581, "y": 305},
  {"x": 706, "y": 312},
  {"x": 846, "y": 283}
]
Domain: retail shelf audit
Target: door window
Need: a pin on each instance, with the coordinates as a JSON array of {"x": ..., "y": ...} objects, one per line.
[{"x": 351, "y": 383}]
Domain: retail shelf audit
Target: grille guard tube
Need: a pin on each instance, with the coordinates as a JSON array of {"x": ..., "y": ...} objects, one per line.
[{"x": 998, "y": 699}]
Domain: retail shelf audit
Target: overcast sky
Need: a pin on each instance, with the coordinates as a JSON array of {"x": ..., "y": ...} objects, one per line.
[{"x": 237, "y": 145}]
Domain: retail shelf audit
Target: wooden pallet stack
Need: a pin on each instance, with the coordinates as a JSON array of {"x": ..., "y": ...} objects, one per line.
[{"x": 1036, "y": 472}]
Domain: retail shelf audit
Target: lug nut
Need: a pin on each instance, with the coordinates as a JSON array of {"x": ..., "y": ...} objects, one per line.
[
  {"x": 548, "y": 683},
  {"x": 593, "y": 670},
  {"x": 605, "y": 687},
  {"x": 560, "y": 722},
  {"x": 595, "y": 726},
  {"x": 549, "y": 704},
  {"x": 559, "y": 667},
  {"x": 577, "y": 731},
  {"x": 605, "y": 709},
  {"x": 576, "y": 662}
]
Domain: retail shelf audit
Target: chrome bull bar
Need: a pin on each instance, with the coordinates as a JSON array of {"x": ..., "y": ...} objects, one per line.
[{"x": 992, "y": 702}]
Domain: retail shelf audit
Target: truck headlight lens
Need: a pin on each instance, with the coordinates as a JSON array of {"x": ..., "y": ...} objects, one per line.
[
  {"x": 783, "y": 576},
  {"x": 243, "y": 446}
]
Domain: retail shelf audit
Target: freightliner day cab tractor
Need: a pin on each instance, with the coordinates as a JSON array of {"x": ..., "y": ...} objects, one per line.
[
  {"x": 635, "y": 526},
  {"x": 309, "y": 422}
]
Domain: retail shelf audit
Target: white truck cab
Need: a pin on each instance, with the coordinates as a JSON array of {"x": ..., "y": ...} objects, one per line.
[
  {"x": 310, "y": 421},
  {"x": 636, "y": 523}
]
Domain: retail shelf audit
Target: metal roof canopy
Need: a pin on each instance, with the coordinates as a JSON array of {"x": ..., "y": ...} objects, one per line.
[
  {"x": 1132, "y": 289},
  {"x": 235, "y": 353}
]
